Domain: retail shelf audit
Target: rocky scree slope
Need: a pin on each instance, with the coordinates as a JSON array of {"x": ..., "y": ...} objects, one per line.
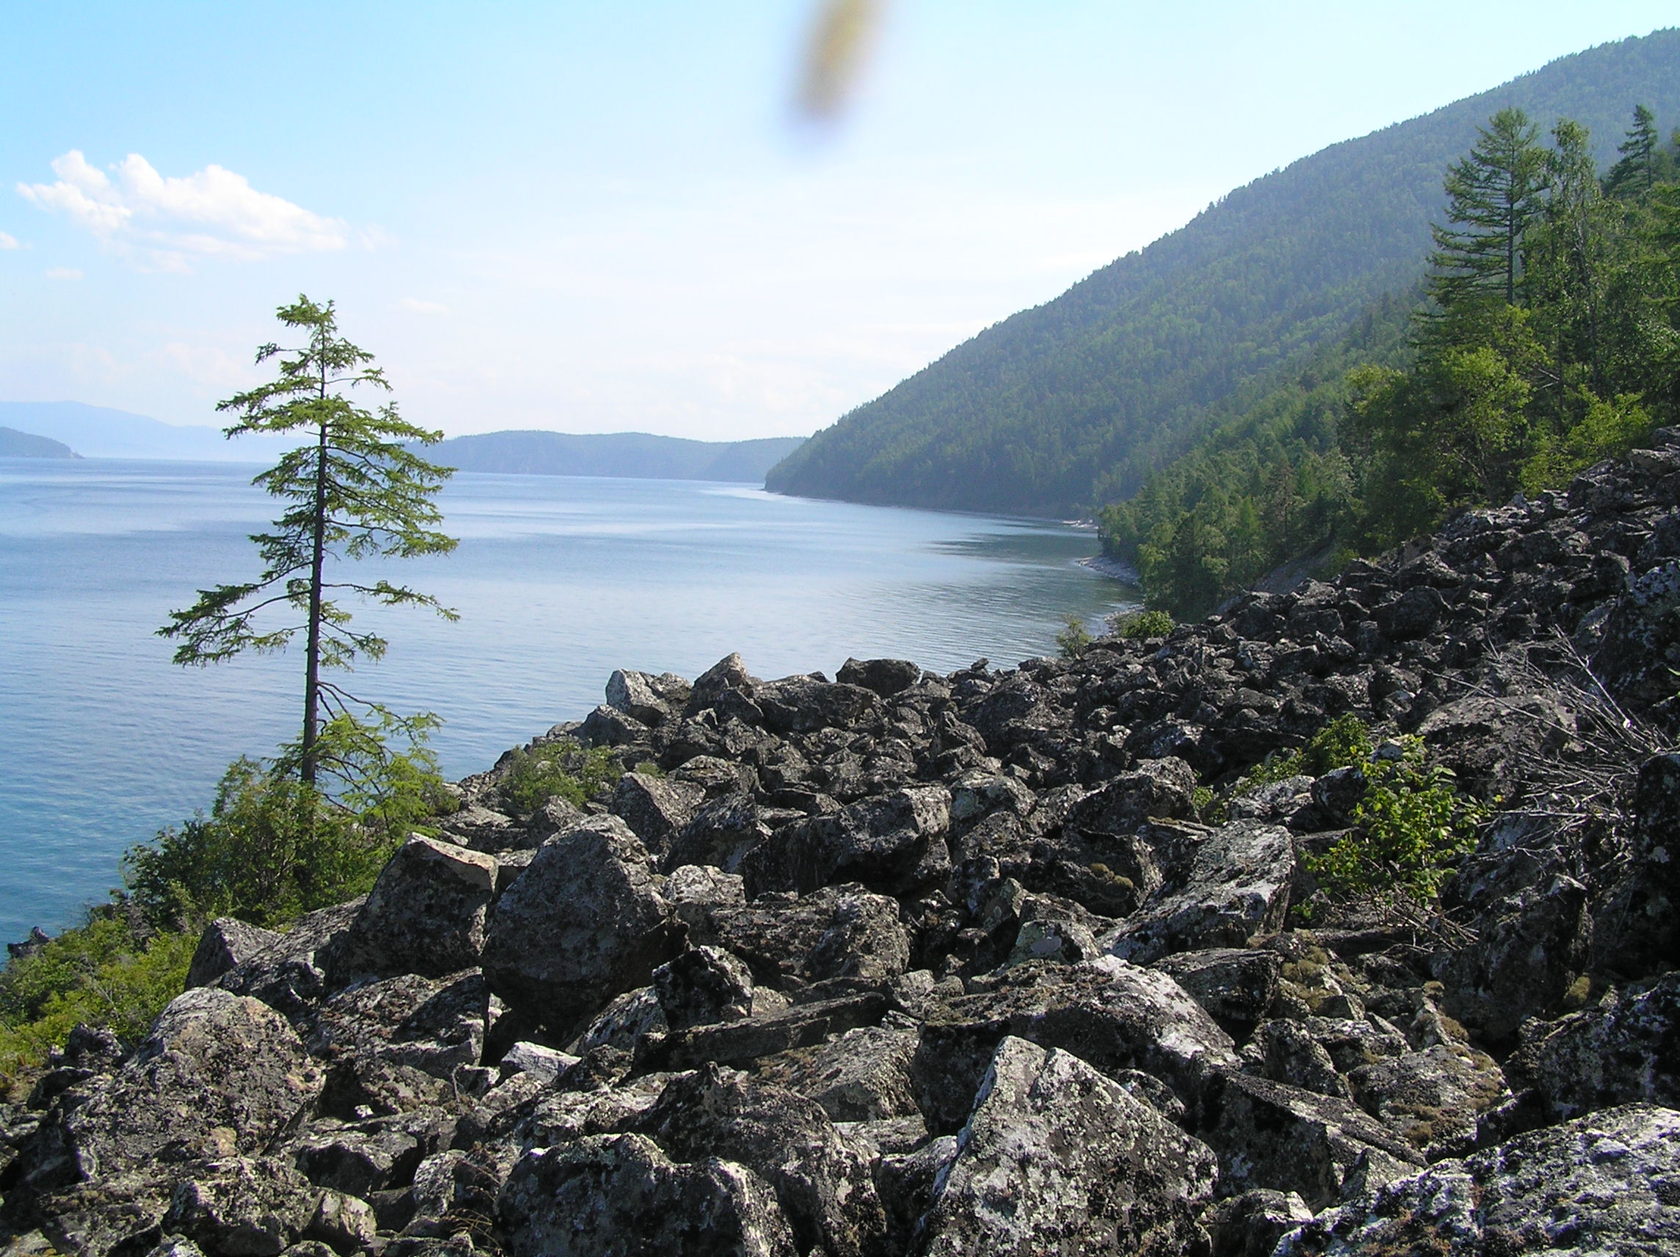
[{"x": 904, "y": 963}]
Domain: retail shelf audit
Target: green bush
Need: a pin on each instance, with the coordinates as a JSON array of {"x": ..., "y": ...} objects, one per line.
[
  {"x": 99, "y": 973},
  {"x": 272, "y": 848},
  {"x": 1411, "y": 824},
  {"x": 558, "y": 769},
  {"x": 1074, "y": 640},
  {"x": 1140, "y": 625}
]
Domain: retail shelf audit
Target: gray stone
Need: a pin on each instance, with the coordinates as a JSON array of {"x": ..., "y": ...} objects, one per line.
[
  {"x": 1058, "y": 1158},
  {"x": 582, "y": 924},
  {"x": 242, "y": 1208},
  {"x": 1238, "y": 886},
  {"x": 894, "y": 844},
  {"x": 1113, "y": 1015},
  {"x": 701, "y": 986},
  {"x": 620, "y": 1196},
  {"x": 225, "y": 944},
  {"x": 1626, "y": 1048},
  {"x": 425, "y": 913},
  {"x": 1607, "y": 1183},
  {"x": 656, "y": 808},
  {"x": 1236, "y": 986}
]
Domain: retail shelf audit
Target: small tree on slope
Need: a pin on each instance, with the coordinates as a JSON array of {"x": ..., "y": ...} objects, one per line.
[{"x": 354, "y": 491}]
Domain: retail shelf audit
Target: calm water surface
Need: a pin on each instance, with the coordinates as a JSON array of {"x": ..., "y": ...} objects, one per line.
[{"x": 559, "y": 580}]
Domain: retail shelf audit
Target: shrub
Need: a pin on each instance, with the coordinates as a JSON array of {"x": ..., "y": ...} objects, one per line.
[
  {"x": 1140, "y": 625},
  {"x": 100, "y": 973},
  {"x": 558, "y": 769},
  {"x": 273, "y": 847},
  {"x": 1073, "y": 641}
]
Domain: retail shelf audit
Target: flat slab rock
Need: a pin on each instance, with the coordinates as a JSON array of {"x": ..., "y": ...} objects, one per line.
[{"x": 1605, "y": 1183}]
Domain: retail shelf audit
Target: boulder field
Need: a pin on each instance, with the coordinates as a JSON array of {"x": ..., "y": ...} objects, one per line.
[{"x": 1001, "y": 962}]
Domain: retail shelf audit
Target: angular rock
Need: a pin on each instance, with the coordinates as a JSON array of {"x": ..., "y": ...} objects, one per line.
[
  {"x": 582, "y": 924},
  {"x": 1236, "y": 986},
  {"x": 1238, "y": 886},
  {"x": 885, "y": 677},
  {"x": 220, "y": 1075},
  {"x": 701, "y": 986},
  {"x": 620, "y": 1196},
  {"x": 837, "y": 932},
  {"x": 226, "y": 944},
  {"x": 1270, "y": 1134},
  {"x": 824, "y": 1188},
  {"x": 721, "y": 834},
  {"x": 655, "y": 808},
  {"x": 895, "y": 845},
  {"x": 861, "y": 1076},
  {"x": 649, "y": 699},
  {"x": 1111, "y": 1014},
  {"x": 241, "y": 1207},
  {"x": 425, "y": 913},
  {"x": 1626, "y": 1048},
  {"x": 435, "y": 1025},
  {"x": 1109, "y": 1175},
  {"x": 1608, "y": 1182},
  {"x": 809, "y": 704}
]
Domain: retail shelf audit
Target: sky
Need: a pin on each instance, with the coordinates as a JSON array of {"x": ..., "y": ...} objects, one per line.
[{"x": 606, "y": 217}]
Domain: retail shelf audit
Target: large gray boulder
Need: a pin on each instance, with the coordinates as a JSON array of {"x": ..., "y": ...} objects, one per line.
[
  {"x": 824, "y": 1187},
  {"x": 894, "y": 844},
  {"x": 1238, "y": 886},
  {"x": 1057, "y": 1158},
  {"x": 1113, "y": 1015},
  {"x": 1626, "y": 1048},
  {"x": 1605, "y": 1183},
  {"x": 426, "y": 911},
  {"x": 583, "y": 923},
  {"x": 620, "y": 1196},
  {"x": 220, "y": 1075}
]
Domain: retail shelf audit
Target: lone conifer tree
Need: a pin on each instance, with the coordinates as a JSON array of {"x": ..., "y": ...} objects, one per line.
[
  {"x": 354, "y": 491},
  {"x": 1493, "y": 195}
]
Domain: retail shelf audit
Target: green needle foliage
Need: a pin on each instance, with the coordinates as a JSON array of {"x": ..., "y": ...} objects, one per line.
[{"x": 354, "y": 491}]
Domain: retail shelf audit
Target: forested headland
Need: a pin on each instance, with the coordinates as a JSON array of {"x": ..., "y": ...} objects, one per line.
[{"x": 1196, "y": 396}]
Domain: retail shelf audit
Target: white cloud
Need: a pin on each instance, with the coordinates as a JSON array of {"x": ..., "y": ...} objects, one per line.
[
  {"x": 414, "y": 305},
  {"x": 8, "y": 242},
  {"x": 63, "y": 272},
  {"x": 210, "y": 213}
]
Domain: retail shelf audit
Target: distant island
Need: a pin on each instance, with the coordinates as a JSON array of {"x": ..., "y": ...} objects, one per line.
[
  {"x": 635, "y": 455},
  {"x": 73, "y": 429},
  {"x": 15, "y": 444}
]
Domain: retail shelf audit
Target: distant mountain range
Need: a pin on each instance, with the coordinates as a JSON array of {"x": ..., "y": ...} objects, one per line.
[
  {"x": 100, "y": 432},
  {"x": 42, "y": 428},
  {"x": 1071, "y": 404},
  {"x": 630, "y": 454},
  {"x": 15, "y": 444}
]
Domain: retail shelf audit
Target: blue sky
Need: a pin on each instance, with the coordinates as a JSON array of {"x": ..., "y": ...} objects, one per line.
[{"x": 601, "y": 217}]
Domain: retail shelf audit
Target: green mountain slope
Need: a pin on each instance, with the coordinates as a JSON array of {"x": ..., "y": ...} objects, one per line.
[
  {"x": 629, "y": 454},
  {"x": 1071, "y": 404}
]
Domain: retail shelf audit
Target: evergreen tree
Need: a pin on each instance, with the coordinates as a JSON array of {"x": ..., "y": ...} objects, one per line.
[
  {"x": 1634, "y": 175},
  {"x": 354, "y": 491},
  {"x": 1493, "y": 195}
]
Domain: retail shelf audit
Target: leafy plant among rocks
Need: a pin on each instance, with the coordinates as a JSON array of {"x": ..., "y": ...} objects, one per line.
[{"x": 558, "y": 769}]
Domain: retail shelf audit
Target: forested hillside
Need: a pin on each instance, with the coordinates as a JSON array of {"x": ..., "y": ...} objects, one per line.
[
  {"x": 1070, "y": 405},
  {"x": 1547, "y": 336}
]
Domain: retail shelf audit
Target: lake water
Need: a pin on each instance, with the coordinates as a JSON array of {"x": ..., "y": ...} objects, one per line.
[{"x": 558, "y": 581}]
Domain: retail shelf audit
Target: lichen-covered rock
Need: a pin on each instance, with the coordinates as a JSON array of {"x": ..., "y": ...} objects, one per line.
[
  {"x": 425, "y": 913},
  {"x": 435, "y": 1025},
  {"x": 583, "y": 923},
  {"x": 823, "y": 1186},
  {"x": 220, "y": 1075},
  {"x": 1608, "y": 1182},
  {"x": 1270, "y": 1134},
  {"x": 893, "y": 844},
  {"x": 1113, "y": 1015},
  {"x": 1434, "y": 1098},
  {"x": 242, "y": 1207},
  {"x": 293, "y": 972},
  {"x": 1238, "y": 886},
  {"x": 836, "y": 932},
  {"x": 1106, "y": 1172},
  {"x": 1626, "y": 1048},
  {"x": 225, "y": 944},
  {"x": 1236, "y": 986},
  {"x": 861, "y": 1076},
  {"x": 703, "y": 985},
  {"x": 620, "y": 1196},
  {"x": 656, "y": 808}
]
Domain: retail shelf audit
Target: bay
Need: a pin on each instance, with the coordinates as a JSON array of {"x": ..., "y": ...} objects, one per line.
[{"x": 558, "y": 581}]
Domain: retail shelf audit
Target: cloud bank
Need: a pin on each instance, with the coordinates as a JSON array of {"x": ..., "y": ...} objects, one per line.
[{"x": 168, "y": 219}]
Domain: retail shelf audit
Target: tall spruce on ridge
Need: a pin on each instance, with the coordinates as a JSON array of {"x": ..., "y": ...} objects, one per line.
[
  {"x": 1493, "y": 194},
  {"x": 354, "y": 491}
]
